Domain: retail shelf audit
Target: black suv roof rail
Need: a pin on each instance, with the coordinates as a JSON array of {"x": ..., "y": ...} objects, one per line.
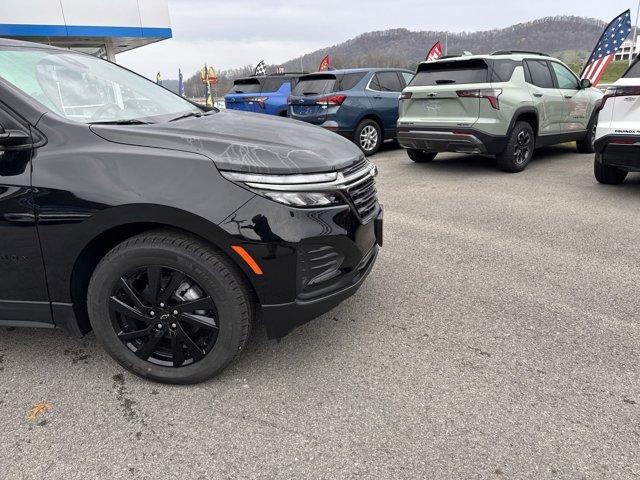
[{"x": 515, "y": 52}]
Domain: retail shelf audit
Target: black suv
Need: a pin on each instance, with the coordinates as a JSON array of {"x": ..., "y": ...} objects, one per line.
[{"x": 162, "y": 226}]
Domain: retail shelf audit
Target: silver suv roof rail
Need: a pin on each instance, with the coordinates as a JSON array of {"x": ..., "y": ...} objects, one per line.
[{"x": 516, "y": 52}]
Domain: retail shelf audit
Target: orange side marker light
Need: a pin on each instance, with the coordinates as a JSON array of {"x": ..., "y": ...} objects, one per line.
[{"x": 247, "y": 258}]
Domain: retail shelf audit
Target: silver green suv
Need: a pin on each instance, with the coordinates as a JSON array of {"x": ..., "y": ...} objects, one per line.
[{"x": 504, "y": 104}]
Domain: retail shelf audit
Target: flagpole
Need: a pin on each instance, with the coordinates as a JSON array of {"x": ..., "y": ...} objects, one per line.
[{"x": 635, "y": 35}]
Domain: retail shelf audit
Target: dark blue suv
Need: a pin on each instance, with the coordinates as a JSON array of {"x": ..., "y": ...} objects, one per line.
[
  {"x": 262, "y": 94},
  {"x": 360, "y": 104}
]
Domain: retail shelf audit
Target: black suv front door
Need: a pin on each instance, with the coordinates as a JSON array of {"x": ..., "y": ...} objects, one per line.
[{"x": 23, "y": 291}]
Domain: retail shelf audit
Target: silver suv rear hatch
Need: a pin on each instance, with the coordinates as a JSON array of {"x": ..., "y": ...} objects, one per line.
[{"x": 437, "y": 97}]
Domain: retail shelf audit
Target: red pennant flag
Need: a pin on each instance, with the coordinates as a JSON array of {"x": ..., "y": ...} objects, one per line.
[
  {"x": 435, "y": 52},
  {"x": 325, "y": 64}
]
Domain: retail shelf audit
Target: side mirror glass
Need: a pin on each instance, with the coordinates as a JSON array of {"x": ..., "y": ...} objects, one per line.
[{"x": 585, "y": 83}]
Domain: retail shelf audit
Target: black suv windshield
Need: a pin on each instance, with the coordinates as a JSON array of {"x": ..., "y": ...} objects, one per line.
[
  {"x": 456, "y": 72},
  {"x": 88, "y": 90}
]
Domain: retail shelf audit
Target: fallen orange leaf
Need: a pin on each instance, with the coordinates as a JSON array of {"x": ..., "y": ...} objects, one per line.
[{"x": 38, "y": 409}]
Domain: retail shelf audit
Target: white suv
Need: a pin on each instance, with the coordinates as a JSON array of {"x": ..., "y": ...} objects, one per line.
[{"x": 617, "y": 144}]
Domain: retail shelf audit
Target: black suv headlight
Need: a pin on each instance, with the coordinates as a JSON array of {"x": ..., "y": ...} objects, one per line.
[{"x": 299, "y": 190}]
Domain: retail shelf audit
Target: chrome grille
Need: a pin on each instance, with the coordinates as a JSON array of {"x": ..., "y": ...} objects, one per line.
[{"x": 364, "y": 196}]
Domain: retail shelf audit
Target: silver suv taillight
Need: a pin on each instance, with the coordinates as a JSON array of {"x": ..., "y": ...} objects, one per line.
[{"x": 490, "y": 94}]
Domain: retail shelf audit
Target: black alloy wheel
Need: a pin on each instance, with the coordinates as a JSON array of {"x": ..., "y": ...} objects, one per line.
[
  {"x": 170, "y": 307},
  {"x": 523, "y": 148},
  {"x": 163, "y": 316},
  {"x": 519, "y": 150}
]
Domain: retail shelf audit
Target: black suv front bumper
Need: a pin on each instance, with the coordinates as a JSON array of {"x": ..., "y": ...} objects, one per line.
[
  {"x": 461, "y": 140},
  {"x": 311, "y": 259}
]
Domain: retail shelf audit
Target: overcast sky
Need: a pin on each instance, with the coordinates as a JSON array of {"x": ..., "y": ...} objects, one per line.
[{"x": 233, "y": 33}]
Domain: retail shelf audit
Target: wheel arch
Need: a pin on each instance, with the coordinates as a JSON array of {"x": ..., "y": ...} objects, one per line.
[
  {"x": 526, "y": 114},
  {"x": 371, "y": 116},
  {"x": 117, "y": 227}
]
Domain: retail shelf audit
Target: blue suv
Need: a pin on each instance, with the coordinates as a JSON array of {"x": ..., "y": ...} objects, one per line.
[
  {"x": 262, "y": 94},
  {"x": 360, "y": 104}
]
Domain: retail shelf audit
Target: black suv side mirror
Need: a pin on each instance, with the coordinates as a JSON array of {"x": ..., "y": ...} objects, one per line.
[
  {"x": 585, "y": 83},
  {"x": 13, "y": 138}
]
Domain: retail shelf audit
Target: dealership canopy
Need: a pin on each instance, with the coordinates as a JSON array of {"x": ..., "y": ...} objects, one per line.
[{"x": 92, "y": 26}]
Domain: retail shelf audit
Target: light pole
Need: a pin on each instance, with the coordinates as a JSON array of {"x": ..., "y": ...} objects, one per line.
[{"x": 635, "y": 36}]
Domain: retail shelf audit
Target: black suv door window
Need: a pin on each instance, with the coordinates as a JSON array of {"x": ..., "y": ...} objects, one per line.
[
  {"x": 386, "y": 82},
  {"x": 539, "y": 74}
]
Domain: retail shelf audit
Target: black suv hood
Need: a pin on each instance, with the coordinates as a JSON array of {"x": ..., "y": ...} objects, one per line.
[{"x": 245, "y": 142}]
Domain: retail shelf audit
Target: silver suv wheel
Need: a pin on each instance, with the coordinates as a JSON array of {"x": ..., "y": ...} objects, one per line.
[{"x": 368, "y": 138}]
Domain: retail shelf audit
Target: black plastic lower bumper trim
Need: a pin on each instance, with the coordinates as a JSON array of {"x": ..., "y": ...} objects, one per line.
[
  {"x": 280, "y": 320},
  {"x": 622, "y": 155},
  {"x": 463, "y": 140}
]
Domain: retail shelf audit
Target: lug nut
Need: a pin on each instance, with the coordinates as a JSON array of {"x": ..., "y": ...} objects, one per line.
[
  {"x": 160, "y": 326},
  {"x": 173, "y": 325},
  {"x": 152, "y": 313},
  {"x": 175, "y": 312},
  {"x": 162, "y": 305}
]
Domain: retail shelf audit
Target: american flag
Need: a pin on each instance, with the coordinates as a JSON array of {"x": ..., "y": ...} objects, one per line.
[
  {"x": 435, "y": 52},
  {"x": 261, "y": 68},
  {"x": 612, "y": 38}
]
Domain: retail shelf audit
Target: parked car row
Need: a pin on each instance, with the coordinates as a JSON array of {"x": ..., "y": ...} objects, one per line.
[
  {"x": 167, "y": 227},
  {"x": 359, "y": 104},
  {"x": 505, "y": 104}
]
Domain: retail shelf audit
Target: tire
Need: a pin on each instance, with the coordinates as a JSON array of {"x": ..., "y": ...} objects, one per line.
[
  {"x": 587, "y": 144},
  {"x": 608, "y": 174},
  {"x": 368, "y": 136},
  {"x": 421, "y": 156},
  {"x": 186, "y": 347},
  {"x": 519, "y": 151}
]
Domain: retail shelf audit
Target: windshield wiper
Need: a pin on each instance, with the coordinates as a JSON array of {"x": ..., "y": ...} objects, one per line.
[
  {"x": 309, "y": 93},
  {"x": 187, "y": 115},
  {"x": 132, "y": 121},
  {"x": 443, "y": 82}
]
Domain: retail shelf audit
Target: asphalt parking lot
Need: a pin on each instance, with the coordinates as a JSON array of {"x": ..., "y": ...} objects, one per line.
[{"x": 497, "y": 338}]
